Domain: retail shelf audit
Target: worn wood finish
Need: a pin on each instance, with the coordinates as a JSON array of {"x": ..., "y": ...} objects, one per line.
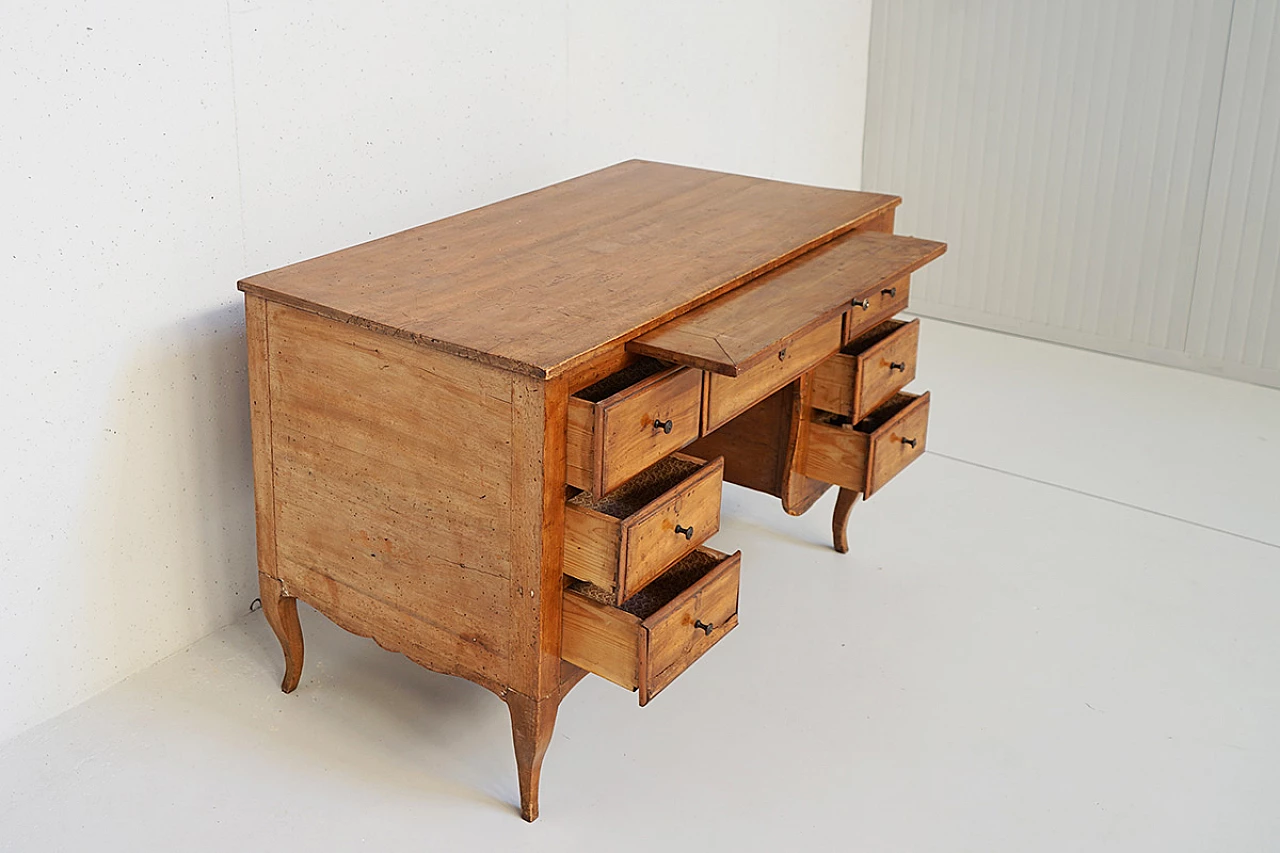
[
  {"x": 748, "y": 326},
  {"x": 899, "y": 442},
  {"x": 647, "y": 652},
  {"x": 255, "y": 316},
  {"x": 623, "y": 543},
  {"x": 726, "y": 397},
  {"x": 532, "y": 723},
  {"x": 632, "y": 428},
  {"x": 425, "y": 408},
  {"x": 753, "y": 444},
  {"x": 876, "y": 308},
  {"x": 868, "y": 371},
  {"x": 537, "y": 283},
  {"x": 799, "y": 492},
  {"x": 864, "y": 457},
  {"x": 371, "y": 503},
  {"x": 689, "y": 625},
  {"x": 840, "y": 519},
  {"x": 281, "y": 610}
]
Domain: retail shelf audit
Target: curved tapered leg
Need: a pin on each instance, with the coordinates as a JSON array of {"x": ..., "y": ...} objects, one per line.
[
  {"x": 282, "y": 614},
  {"x": 531, "y": 724},
  {"x": 840, "y": 518}
]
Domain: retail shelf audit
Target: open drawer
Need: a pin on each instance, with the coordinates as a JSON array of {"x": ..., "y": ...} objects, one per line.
[
  {"x": 627, "y": 421},
  {"x": 867, "y": 371},
  {"x": 653, "y": 637},
  {"x": 866, "y": 455},
  {"x": 624, "y": 540}
]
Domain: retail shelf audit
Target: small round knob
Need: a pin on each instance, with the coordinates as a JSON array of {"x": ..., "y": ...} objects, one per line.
[
  {"x": 686, "y": 532},
  {"x": 897, "y": 365},
  {"x": 864, "y": 304},
  {"x": 889, "y": 292},
  {"x": 705, "y": 628},
  {"x": 910, "y": 441},
  {"x": 665, "y": 426}
]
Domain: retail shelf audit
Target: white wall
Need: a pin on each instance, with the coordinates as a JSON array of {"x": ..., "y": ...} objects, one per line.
[
  {"x": 1101, "y": 170},
  {"x": 153, "y": 153}
]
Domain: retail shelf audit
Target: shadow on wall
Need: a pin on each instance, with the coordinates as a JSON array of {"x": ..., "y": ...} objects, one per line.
[{"x": 168, "y": 535}]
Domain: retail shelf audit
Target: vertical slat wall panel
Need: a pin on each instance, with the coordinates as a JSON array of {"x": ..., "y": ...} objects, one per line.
[
  {"x": 1065, "y": 150},
  {"x": 1235, "y": 317}
]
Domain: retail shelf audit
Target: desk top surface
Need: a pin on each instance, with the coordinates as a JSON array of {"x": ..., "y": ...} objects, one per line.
[{"x": 538, "y": 282}]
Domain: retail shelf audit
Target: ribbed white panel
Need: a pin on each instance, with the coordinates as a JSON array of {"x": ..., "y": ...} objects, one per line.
[
  {"x": 1235, "y": 317},
  {"x": 1064, "y": 150}
]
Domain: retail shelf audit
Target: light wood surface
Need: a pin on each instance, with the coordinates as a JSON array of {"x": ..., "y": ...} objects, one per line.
[
  {"x": 539, "y": 282},
  {"x": 750, "y": 324},
  {"x": 899, "y": 442},
  {"x": 622, "y": 543},
  {"x": 425, "y": 408},
  {"x": 617, "y": 437},
  {"x": 864, "y": 457},
  {"x": 725, "y": 397},
  {"x": 868, "y": 371},
  {"x": 646, "y": 651},
  {"x": 368, "y": 501},
  {"x": 753, "y": 444}
]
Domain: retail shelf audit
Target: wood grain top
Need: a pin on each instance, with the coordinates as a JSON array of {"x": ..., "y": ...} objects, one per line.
[
  {"x": 539, "y": 282},
  {"x": 740, "y": 329}
]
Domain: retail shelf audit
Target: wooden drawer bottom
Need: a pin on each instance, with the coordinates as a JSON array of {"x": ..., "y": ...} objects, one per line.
[{"x": 656, "y": 634}]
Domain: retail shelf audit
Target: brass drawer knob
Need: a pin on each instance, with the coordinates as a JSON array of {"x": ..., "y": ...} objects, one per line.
[
  {"x": 686, "y": 532},
  {"x": 705, "y": 628},
  {"x": 864, "y": 304},
  {"x": 897, "y": 365},
  {"x": 889, "y": 292},
  {"x": 665, "y": 426},
  {"x": 910, "y": 441}
]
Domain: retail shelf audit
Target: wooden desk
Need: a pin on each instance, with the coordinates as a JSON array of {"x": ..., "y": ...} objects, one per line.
[{"x": 495, "y": 443}]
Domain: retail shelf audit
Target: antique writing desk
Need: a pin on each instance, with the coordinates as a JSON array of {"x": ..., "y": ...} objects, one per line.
[{"x": 495, "y": 443}]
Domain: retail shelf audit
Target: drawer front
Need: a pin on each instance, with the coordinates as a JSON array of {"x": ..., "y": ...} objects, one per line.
[
  {"x": 623, "y": 541},
  {"x": 642, "y": 427},
  {"x": 647, "y": 642},
  {"x": 727, "y": 396},
  {"x": 897, "y": 443},
  {"x": 868, "y": 371},
  {"x": 865, "y": 456},
  {"x": 876, "y": 306},
  {"x": 688, "y": 627},
  {"x": 629, "y": 420},
  {"x": 672, "y": 527}
]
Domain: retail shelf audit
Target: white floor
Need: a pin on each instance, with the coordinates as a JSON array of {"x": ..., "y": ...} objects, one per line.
[{"x": 1057, "y": 631}]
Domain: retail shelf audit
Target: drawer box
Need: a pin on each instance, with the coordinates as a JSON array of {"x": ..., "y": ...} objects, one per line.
[
  {"x": 623, "y": 541},
  {"x": 627, "y": 421},
  {"x": 728, "y": 396},
  {"x": 652, "y": 638},
  {"x": 866, "y": 455},
  {"x": 875, "y": 306},
  {"x": 867, "y": 371}
]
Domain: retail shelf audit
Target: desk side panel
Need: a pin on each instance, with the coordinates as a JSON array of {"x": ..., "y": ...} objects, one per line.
[{"x": 393, "y": 489}]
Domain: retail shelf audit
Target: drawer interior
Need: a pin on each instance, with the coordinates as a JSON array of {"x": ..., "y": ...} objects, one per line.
[
  {"x": 872, "y": 336},
  {"x": 614, "y": 383},
  {"x": 642, "y": 489},
  {"x": 657, "y": 595}
]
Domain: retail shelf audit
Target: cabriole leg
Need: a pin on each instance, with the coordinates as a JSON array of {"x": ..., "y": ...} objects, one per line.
[
  {"x": 282, "y": 615},
  {"x": 531, "y": 724},
  {"x": 840, "y": 518}
]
